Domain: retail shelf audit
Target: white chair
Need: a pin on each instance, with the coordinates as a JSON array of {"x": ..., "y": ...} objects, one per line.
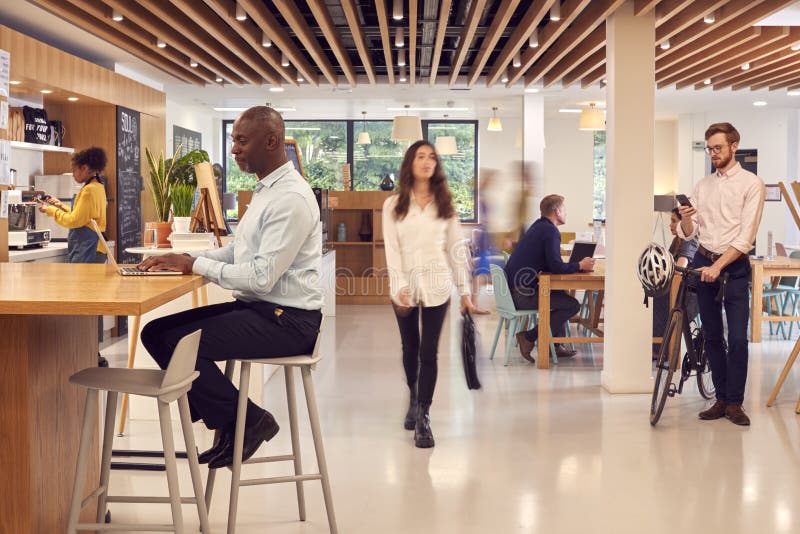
[
  {"x": 306, "y": 363},
  {"x": 166, "y": 387}
]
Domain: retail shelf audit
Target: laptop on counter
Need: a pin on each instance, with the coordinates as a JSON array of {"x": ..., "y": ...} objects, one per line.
[
  {"x": 128, "y": 271},
  {"x": 582, "y": 249}
]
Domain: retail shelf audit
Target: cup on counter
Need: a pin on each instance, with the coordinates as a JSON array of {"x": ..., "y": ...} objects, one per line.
[{"x": 151, "y": 237}]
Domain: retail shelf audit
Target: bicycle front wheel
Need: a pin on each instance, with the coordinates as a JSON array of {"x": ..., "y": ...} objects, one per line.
[{"x": 665, "y": 367}]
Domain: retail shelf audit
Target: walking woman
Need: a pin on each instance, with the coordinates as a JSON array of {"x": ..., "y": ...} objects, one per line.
[{"x": 426, "y": 254}]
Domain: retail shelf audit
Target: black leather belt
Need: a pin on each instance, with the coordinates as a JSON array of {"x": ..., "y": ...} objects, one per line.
[{"x": 708, "y": 254}]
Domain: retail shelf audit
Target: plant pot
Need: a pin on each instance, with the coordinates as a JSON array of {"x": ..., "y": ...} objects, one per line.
[
  {"x": 180, "y": 225},
  {"x": 163, "y": 230}
]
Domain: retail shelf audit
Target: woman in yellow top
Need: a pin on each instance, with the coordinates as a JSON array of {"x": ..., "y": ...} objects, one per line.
[{"x": 83, "y": 246}]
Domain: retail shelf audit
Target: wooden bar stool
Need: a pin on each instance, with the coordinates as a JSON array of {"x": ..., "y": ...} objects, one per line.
[
  {"x": 306, "y": 363},
  {"x": 166, "y": 387}
]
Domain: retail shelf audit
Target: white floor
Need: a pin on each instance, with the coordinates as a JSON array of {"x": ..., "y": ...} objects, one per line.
[{"x": 533, "y": 451}]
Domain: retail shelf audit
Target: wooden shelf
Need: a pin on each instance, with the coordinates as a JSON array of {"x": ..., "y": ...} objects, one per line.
[{"x": 41, "y": 148}]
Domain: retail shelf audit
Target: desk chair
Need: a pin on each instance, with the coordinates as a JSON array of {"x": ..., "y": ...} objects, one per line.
[
  {"x": 164, "y": 386},
  {"x": 306, "y": 363}
]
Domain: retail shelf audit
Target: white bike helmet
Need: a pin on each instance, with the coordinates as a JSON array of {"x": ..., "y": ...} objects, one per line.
[{"x": 655, "y": 270}]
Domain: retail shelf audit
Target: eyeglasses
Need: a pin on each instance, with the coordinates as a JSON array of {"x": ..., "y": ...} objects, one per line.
[{"x": 716, "y": 149}]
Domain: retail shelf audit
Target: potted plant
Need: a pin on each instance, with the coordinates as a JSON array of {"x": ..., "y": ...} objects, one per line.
[
  {"x": 160, "y": 178},
  {"x": 182, "y": 197}
]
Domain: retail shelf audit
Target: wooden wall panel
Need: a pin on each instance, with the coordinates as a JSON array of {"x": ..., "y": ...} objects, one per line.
[{"x": 153, "y": 136}]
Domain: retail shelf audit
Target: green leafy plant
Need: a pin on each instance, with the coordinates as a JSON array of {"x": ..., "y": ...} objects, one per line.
[
  {"x": 182, "y": 196},
  {"x": 160, "y": 181},
  {"x": 184, "y": 166}
]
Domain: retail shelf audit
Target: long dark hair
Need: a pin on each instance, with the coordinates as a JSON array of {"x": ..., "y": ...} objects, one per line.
[{"x": 438, "y": 186}]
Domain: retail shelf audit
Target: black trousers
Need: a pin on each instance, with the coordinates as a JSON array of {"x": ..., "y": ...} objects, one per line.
[
  {"x": 562, "y": 308},
  {"x": 420, "y": 349},
  {"x": 728, "y": 370},
  {"x": 245, "y": 330}
]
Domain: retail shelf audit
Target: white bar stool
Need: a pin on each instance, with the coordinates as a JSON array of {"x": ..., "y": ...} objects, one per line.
[
  {"x": 166, "y": 387},
  {"x": 306, "y": 363}
]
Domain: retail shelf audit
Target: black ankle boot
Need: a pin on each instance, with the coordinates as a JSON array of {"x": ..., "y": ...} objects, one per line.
[
  {"x": 423, "y": 437},
  {"x": 411, "y": 414}
]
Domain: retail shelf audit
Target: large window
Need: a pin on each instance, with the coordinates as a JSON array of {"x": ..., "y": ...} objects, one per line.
[
  {"x": 599, "y": 211},
  {"x": 325, "y": 146}
]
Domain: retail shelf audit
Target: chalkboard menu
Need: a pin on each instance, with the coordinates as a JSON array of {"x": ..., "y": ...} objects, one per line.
[
  {"x": 187, "y": 139},
  {"x": 129, "y": 185},
  {"x": 293, "y": 154}
]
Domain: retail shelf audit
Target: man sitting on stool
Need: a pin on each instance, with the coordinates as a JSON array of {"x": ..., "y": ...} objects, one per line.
[
  {"x": 272, "y": 266},
  {"x": 540, "y": 250}
]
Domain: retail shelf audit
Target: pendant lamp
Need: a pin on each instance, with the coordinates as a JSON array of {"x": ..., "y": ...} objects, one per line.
[
  {"x": 494, "y": 123},
  {"x": 446, "y": 144},
  {"x": 406, "y": 128},
  {"x": 363, "y": 137},
  {"x": 592, "y": 119}
]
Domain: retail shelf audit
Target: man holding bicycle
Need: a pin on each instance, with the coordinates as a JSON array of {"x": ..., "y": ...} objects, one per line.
[{"x": 724, "y": 217}]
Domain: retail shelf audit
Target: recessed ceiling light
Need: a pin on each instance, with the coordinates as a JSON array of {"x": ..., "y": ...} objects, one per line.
[
  {"x": 276, "y": 89},
  {"x": 569, "y": 110},
  {"x": 116, "y": 15},
  {"x": 746, "y": 66},
  {"x": 240, "y": 13},
  {"x": 426, "y": 109},
  {"x": 796, "y": 46},
  {"x": 218, "y": 79},
  {"x": 46, "y": 91},
  {"x": 710, "y": 18},
  {"x": 266, "y": 42},
  {"x": 707, "y": 81},
  {"x": 192, "y": 63},
  {"x": 759, "y": 103},
  {"x": 794, "y": 93},
  {"x": 244, "y": 109},
  {"x": 73, "y": 98},
  {"x": 14, "y": 82},
  {"x": 555, "y": 11},
  {"x": 531, "y": 90},
  {"x": 160, "y": 43},
  {"x": 665, "y": 45}
]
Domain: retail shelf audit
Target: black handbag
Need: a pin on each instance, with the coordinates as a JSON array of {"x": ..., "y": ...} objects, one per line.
[
  {"x": 37, "y": 128},
  {"x": 468, "y": 352}
]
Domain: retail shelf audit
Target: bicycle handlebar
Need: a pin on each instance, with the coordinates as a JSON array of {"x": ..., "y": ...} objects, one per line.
[{"x": 723, "y": 279}]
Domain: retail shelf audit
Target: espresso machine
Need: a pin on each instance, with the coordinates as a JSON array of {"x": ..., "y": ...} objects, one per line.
[{"x": 22, "y": 232}]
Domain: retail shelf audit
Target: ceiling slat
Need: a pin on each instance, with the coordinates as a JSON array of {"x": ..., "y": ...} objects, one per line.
[
  {"x": 770, "y": 40},
  {"x": 98, "y": 10},
  {"x": 552, "y": 30},
  {"x": 775, "y": 81},
  {"x": 582, "y": 28},
  {"x": 386, "y": 39},
  {"x": 594, "y": 77},
  {"x": 349, "y": 8},
  {"x": 444, "y": 15},
  {"x": 733, "y": 18},
  {"x": 734, "y": 64},
  {"x": 466, "y": 37},
  {"x": 776, "y": 61},
  {"x": 530, "y": 21},
  {"x": 592, "y": 43},
  {"x": 499, "y": 24},
  {"x": 789, "y": 85},
  {"x": 99, "y": 28},
  {"x": 694, "y": 12},
  {"x": 764, "y": 80},
  {"x": 668, "y": 9},
  {"x": 301, "y": 30},
  {"x": 688, "y": 60},
  {"x": 232, "y": 72},
  {"x": 588, "y": 65},
  {"x": 412, "y": 42},
  {"x": 643, "y": 7},
  {"x": 223, "y": 33},
  {"x": 266, "y": 21},
  {"x": 323, "y": 18},
  {"x": 183, "y": 25}
]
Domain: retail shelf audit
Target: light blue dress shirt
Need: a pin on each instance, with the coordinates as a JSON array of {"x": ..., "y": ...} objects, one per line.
[{"x": 277, "y": 252}]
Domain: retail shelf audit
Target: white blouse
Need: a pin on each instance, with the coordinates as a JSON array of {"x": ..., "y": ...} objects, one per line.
[{"x": 423, "y": 252}]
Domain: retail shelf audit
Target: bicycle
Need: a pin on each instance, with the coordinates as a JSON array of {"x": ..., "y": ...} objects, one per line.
[{"x": 695, "y": 361}]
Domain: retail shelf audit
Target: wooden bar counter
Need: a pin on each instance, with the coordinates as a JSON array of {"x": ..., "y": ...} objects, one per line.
[{"x": 48, "y": 331}]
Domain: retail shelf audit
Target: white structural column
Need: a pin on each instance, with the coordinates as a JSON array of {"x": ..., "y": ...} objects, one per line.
[
  {"x": 629, "y": 197},
  {"x": 533, "y": 149}
]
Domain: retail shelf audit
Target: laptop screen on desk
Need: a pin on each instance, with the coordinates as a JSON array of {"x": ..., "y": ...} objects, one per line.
[
  {"x": 127, "y": 271},
  {"x": 582, "y": 249}
]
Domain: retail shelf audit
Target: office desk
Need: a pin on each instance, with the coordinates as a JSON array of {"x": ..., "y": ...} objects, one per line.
[
  {"x": 780, "y": 266},
  {"x": 48, "y": 331},
  {"x": 593, "y": 281}
]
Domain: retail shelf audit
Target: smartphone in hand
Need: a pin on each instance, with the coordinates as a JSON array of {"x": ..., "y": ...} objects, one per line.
[{"x": 683, "y": 200}]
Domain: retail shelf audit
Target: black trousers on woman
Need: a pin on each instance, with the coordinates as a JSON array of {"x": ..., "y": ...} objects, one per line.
[
  {"x": 241, "y": 330},
  {"x": 420, "y": 347}
]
